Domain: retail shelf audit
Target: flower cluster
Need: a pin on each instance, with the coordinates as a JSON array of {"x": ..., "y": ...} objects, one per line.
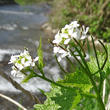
[
  {"x": 21, "y": 62},
  {"x": 66, "y": 36}
]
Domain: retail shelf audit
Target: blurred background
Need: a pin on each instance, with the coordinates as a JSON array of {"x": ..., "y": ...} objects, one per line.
[{"x": 23, "y": 22}]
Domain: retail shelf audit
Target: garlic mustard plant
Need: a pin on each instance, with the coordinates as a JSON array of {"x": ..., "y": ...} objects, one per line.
[
  {"x": 65, "y": 37},
  {"x": 83, "y": 84}
]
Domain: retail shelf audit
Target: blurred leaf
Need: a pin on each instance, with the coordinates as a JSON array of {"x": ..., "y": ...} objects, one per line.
[
  {"x": 77, "y": 79},
  {"x": 66, "y": 98},
  {"x": 101, "y": 57},
  {"x": 41, "y": 91},
  {"x": 40, "y": 54},
  {"x": 60, "y": 99},
  {"x": 27, "y": 78}
]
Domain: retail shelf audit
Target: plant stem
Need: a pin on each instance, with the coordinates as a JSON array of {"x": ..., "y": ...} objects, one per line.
[
  {"x": 104, "y": 88},
  {"x": 105, "y": 58},
  {"x": 101, "y": 82},
  {"x": 71, "y": 62},
  {"x": 89, "y": 95},
  {"x": 40, "y": 69},
  {"x": 80, "y": 47},
  {"x": 60, "y": 65},
  {"x": 92, "y": 81},
  {"x": 99, "y": 99},
  {"x": 62, "y": 86}
]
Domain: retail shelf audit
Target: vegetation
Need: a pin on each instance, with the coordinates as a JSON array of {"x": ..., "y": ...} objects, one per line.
[
  {"x": 23, "y": 2},
  {"x": 93, "y": 13}
]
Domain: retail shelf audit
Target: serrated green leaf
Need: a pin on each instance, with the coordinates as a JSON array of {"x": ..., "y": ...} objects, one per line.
[
  {"x": 40, "y": 54},
  {"x": 41, "y": 91},
  {"x": 101, "y": 58},
  {"x": 60, "y": 99},
  {"x": 76, "y": 100},
  {"x": 77, "y": 79}
]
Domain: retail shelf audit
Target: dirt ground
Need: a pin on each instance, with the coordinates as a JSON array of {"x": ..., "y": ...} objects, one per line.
[{"x": 19, "y": 97}]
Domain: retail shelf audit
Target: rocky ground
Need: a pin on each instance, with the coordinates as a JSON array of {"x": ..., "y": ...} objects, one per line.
[{"x": 19, "y": 97}]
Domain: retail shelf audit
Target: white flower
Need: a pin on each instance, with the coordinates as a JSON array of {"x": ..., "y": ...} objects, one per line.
[
  {"x": 13, "y": 59},
  {"x": 74, "y": 24},
  {"x": 16, "y": 73},
  {"x": 65, "y": 28},
  {"x": 58, "y": 38},
  {"x": 63, "y": 55},
  {"x": 21, "y": 62},
  {"x": 34, "y": 60},
  {"x": 65, "y": 38},
  {"x": 76, "y": 34},
  {"x": 84, "y": 32},
  {"x": 63, "y": 52},
  {"x": 67, "y": 41},
  {"x": 80, "y": 34}
]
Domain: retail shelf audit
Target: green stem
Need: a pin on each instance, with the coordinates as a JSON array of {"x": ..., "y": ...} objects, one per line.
[
  {"x": 106, "y": 54},
  {"x": 105, "y": 58},
  {"x": 101, "y": 82},
  {"x": 71, "y": 62},
  {"x": 69, "y": 88},
  {"x": 80, "y": 47},
  {"x": 60, "y": 65},
  {"x": 92, "y": 81},
  {"x": 82, "y": 57},
  {"x": 89, "y": 95},
  {"x": 40, "y": 69}
]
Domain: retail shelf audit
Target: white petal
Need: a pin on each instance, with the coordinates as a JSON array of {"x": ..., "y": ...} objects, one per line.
[
  {"x": 13, "y": 72},
  {"x": 54, "y": 41},
  {"x": 74, "y": 24},
  {"x": 83, "y": 37},
  {"x": 70, "y": 31},
  {"x": 62, "y": 51},
  {"x": 19, "y": 66},
  {"x": 22, "y": 60},
  {"x": 33, "y": 64},
  {"x": 36, "y": 59},
  {"x": 87, "y": 29},
  {"x": 66, "y": 41},
  {"x": 27, "y": 63},
  {"x": 20, "y": 75},
  {"x": 74, "y": 35},
  {"x": 59, "y": 58},
  {"x": 28, "y": 57},
  {"x": 12, "y": 60},
  {"x": 62, "y": 56},
  {"x": 64, "y": 35},
  {"x": 55, "y": 49},
  {"x": 67, "y": 26}
]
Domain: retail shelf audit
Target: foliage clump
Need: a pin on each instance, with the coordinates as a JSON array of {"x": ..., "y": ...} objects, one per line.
[{"x": 94, "y": 13}]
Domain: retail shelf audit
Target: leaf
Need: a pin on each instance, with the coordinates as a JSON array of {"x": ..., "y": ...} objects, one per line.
[
  {"x": 76, "y": 100},
  {"x": 40, "y": 54},
  {"x": 101, "y": 57},
  {"x": 28, "y": 78},
  {"x": 41, "y": 91},
  {"x": 60, "y": 99},
  {"x": 77, "y": 79}
]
